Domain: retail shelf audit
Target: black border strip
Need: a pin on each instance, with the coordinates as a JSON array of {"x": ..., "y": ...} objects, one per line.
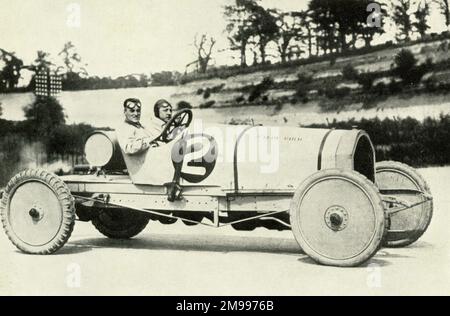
[
  {"x": 235, "y": 166},
  {"x": 322, "y": 145}
]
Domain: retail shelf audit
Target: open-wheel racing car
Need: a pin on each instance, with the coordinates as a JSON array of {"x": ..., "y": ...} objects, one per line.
[{"x": 324, "y": 185}]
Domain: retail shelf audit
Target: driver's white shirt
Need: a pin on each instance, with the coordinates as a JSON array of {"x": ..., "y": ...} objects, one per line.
[
  {"x": 134, "y": 138},
  {"x": 156, "y": 126}
]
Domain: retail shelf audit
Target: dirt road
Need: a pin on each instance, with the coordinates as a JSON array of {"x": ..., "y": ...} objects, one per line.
[{"x": 180, "y": 260}]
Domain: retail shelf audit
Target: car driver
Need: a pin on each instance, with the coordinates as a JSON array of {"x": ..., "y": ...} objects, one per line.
[{"x": 132, "y": 136}]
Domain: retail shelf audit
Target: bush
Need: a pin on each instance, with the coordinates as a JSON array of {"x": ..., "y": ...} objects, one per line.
[
  {"x": 342, "y": 92},
  {"x": 207, "y": 93},
  {"x": 240, "y": 99},
  {"x": 183, "y": 105},
  {"x": 407, "y": 69},
  {"x": 10, "y": 155},
  {"x": 407, "y": 140},
  {"x": 337, "y": 93},
  {"x": 259, "y": 89},
  {"x": 207, "y": 105},
  {"x": 394, "y": 87},
  {"x": 404, "y": 61},
  {"x": 380, "y": 88},
  {"x": 431, "y": 85},
  {"x": 304, "y": 78},
  {"x": 302, "y": 92},
  {"x": 43, "y": 116},
  {"x": 69, "y": 139},
  {"x": 366, "y": 80},
  {"x": 350, "y": 73},
  {"x": 217, "y": 88},
  {"x": 415, "y": 75},
  {"x": 444, "y": 87}
]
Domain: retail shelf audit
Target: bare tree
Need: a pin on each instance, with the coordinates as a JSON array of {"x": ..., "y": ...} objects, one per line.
[
  {"x": 72, "y": 60},
  {"x": 204, "y": 51}
]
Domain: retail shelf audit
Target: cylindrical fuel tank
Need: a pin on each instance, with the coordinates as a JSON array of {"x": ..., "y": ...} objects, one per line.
[
  {"x": 102, "y": 150},
  {"x": 280, "y": 158}
]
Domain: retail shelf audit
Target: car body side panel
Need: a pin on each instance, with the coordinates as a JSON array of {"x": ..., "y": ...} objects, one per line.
[
  {"x": 288, "y": 157},
  {"x": 248, "y": 158}
]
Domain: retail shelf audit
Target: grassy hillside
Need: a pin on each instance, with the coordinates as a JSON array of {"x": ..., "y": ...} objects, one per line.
[{"x": 321, "y": 87}]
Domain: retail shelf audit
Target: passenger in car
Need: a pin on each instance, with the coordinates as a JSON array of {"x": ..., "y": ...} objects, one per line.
[{"x": 162, "y": 114}]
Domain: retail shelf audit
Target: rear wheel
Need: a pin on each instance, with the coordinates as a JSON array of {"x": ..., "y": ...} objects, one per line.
[
  {"x": 337, "y": 218},
  {"x": 403, "y": 182},
  {"x": 120, "y": 223},
  {"x": 37, "y": 212}
]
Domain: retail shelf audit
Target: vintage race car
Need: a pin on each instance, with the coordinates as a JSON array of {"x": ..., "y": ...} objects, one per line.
[{"x": 324, "y": 185}]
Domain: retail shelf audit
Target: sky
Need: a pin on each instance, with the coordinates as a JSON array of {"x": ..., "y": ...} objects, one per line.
[{"x": 117, "y": 37}]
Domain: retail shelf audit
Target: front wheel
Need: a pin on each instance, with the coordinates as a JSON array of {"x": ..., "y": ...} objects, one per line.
[
  {"x": 337, "y": 218},
  {"x": 37, "y": 212},
  {"x": 120, "y": 223}
]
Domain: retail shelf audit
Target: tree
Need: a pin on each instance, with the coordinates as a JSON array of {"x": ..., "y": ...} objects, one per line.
[
  {"x": 41, "y": 63},
  {"x": 368, "y": 32},
  {"x": 164, "y": 78},
  {"x": 341, "y": 23},
  {"x": 10, "y": 73},
  {"x": 143, "y": 80},
  {"x": 69, "y": 139},
  {"x": 422, "y": 14},
  {"x": 239, "y": 27},
  {"x": 71, "y": 60},
  {"x": 73, "y": 69},
  {"x": 249, "y": 22},
  {"x": 309, "y": 29},
  {"x": 444, "y": 5},
  {"x": 43, "y": 116},
  {"x": 322, "y": 15},
  {"x": 203, "y": 53},
  {"x": 289, "y": 29},
  {"x": 402, "y": 18},
  {"x": 264, "y": 25}
]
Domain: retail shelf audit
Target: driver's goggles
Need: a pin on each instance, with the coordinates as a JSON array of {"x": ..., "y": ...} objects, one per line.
[{"x": 134, "y": 108}]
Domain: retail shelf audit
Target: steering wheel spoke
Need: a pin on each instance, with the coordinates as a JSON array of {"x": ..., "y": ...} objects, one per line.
[{"x": 179, "y": 121}]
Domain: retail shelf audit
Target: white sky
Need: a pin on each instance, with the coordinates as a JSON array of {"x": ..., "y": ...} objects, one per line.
[{"x": 118, "y": 37}]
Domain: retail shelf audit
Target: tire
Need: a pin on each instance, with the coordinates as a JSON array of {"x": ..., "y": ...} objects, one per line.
[
  {"x": 37, "y": 212},
  {"x": 338, "y": 218},
  {"x": 120, "y": 223},
  {"x": 391, "y": 175}
]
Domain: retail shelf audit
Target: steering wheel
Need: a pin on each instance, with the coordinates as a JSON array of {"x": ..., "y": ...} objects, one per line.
[{"x": 180, "y": 121}]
